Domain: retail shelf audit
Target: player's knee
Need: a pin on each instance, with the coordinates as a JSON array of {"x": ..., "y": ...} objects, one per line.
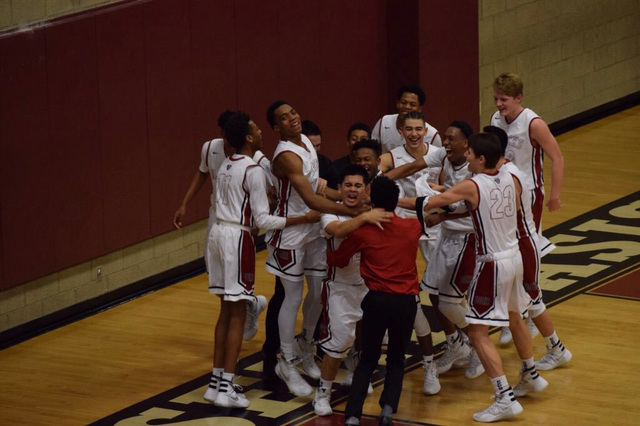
[{"x": 454, "y": 312}]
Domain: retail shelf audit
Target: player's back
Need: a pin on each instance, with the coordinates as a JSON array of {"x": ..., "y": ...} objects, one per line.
[{"x": 495, "y": 219}]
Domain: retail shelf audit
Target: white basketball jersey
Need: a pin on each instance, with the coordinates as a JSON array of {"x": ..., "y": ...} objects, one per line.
[
  {"x": 495, "y": 219},
  {"x": 520, "y": 150},
  {"x": 289, "y": 202},
  {"x": 433, "y": 158},
  {"x": 453, "y": 175},
  {"x": 241, "y": 195},
  {"x": 350, "y": 274},
  {"x": 211, "y": 158},
  {"x": 265, "y": 165},
  {"x": 386, "y": 132},
  {"x": 525, "y": 197}
]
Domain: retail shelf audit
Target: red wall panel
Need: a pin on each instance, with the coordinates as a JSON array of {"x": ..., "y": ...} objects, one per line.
[
  {"x": 170, "y": 107},
  {"x": 123, "y": 127},
  {"x": 214, "y": 80},
  {"x": 449, "y": 61},
  {"x": 353, "y": 69},
  {"x": 257, "y": 62},
  {"x": 27, "y": 157},
  {"x": 74, "y": 132}
]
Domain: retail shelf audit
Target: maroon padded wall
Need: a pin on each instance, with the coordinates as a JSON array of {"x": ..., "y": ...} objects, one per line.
[
  {"x": 26, "y": 155},
  {"x": 103, "y": 113},
  {"x": 449, "y": 61},
  {"x": 123, "y": 127}
]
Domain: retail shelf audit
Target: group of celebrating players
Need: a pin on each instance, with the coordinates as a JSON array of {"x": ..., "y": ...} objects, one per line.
[{"x": 472, "y": 202}]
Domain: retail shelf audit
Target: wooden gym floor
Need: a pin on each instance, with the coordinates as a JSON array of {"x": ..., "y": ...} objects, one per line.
[{"x": 147, "y": 360}]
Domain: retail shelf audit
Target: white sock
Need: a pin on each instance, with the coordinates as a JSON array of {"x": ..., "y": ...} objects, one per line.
[
  {"x": 428, "y": 359},
  {"x": 287, "y": 351},
  {"x": 527, "y": 364},
  {"x": 451, "y": 338},
  {"x": 324, "y": 386},
  {"x": 553, "y": 342},
  {"x": 500, "y": 384}
]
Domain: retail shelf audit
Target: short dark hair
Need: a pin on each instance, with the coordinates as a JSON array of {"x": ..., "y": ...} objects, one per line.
[
  {"x": 354, "y": 170},
  {"x": 309, "y": 128},
  {"x": 368, "y": 143},
  {"x": 222, "y": 118},
  {"x": 413, "y": 115},
  {"x": 487, "y": 145},
  {"x": 236, "y": 129},
  {"x": 464, "y": 127},
  {"x": 384, "y": 193},
  {"x": 271, "y": 111},
  {"x": 359, "y": 126},
  {"x": 412, "y": 88},
  {"x": 501, "y": 134}
]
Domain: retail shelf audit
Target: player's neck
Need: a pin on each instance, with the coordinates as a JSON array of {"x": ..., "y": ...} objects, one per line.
[
  {"x": 418, "y": 151},
  {"x": 297, "y": 139},
  {"x": 513, "y": 115}
]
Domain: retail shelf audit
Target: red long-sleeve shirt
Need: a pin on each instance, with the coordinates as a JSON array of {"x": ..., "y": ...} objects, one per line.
[{"x": 388, "y": 257}]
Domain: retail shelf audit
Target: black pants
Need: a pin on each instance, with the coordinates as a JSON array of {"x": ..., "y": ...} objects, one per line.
[{"x": 381, "y": 312}]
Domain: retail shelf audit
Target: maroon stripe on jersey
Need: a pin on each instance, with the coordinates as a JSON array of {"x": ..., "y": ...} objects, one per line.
[
  {"x": 247, "y": 264},
  {"x": 530, "y": 267},
  {"x": 246, "y": 202},
  {"x": 466, "y": 265},
  {"x": 483, "y": 296},
  {"x": 477, "y": 225},
  {"x": 537, "y": 204},
  {"x": 281, "y": 209},
  {"x": 537, "y": 159}
]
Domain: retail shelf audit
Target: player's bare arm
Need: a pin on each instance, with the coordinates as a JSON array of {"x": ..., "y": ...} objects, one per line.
[
  {"x": 541, "y": 135},
  {"x": 197, "y": 182},
  {"x": 342, "y": 229},
  {"x": 406, "y": 169},
  {"x": 288, "y": 165},
  {"x": 386, "y": 162},
  {"x": 465, "y": 190}
]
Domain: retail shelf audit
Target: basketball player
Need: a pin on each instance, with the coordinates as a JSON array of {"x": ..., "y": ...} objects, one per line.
[
  {"x": 414, "y": 129},
  {"x": 496, "y": 296},
  {"x": 528, "y": 241},
  {"x": 529, "y": 140},
  {"x": 410, "y": 98},
  {"x": 357, "y": 132},
  {"x": 298, "y": 251},
  {"x": 343, "y": 288},
  {"x": 241, "y": 204},
  {"x": 212, "y": 155}
]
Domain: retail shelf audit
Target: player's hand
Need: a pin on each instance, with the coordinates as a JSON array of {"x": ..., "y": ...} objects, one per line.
[
  {"x": 312, "y": 216},
  {"x": 554, "y": 204},
  {"x": 322, "y": 185},
  {"x": 377, "y": 217},
  {"x": 178, "y": 215},
  {"x": 436, "y": 187},
  {"x": 433, "y": 219},
  {"x": 355, "y": 211}
]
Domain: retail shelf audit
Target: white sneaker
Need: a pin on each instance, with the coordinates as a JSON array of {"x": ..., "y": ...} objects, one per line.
[
  {"x": 322, "y": 404},
  {"x": 229, "y": 396},
  {"x": 288, "y": 372},
  {"x": 457, "y": 352},
  {"x": 554, "y": 359},
  {"x": 254, "y": 309},
  {"x": 431, "y": 384},
  {"x": 212, "y": 391},
  {"x": 533, "y": 330},
  {"x": 304, "y": 350},
  {"x": 504, "y": 407},
  {"x": 505, "y": 336},
  {"x": 370, "y": 389},
  {"x": 475, "y": 368},
  {"x": 530, "y": 381}
]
